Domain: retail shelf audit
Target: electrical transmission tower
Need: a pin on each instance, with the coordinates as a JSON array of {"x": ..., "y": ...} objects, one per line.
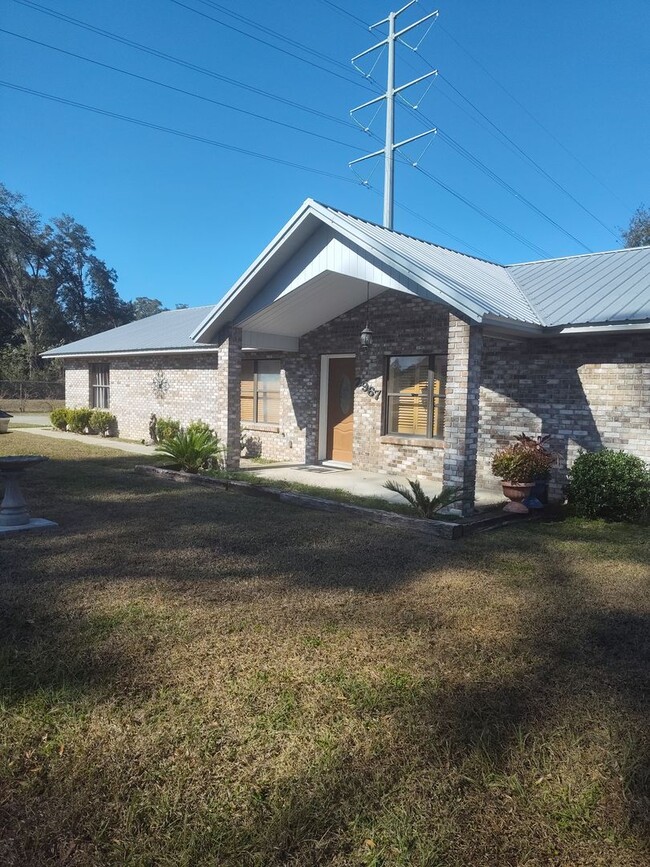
[{"x": 391, "y": 93}]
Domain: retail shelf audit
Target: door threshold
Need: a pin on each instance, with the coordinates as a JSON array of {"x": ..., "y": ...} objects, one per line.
[{"x": 338, "y": 465}]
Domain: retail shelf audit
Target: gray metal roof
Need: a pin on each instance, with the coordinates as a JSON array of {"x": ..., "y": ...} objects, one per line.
[
  {"x": 474, "y": 283},
  {"x": 594, "y": 288},
  {"x": 163, "y": 331}
]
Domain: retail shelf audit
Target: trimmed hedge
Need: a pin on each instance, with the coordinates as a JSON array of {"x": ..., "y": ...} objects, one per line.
[
  {"x": 84, "y": 420},
  {"x": 611, "y": 485}
]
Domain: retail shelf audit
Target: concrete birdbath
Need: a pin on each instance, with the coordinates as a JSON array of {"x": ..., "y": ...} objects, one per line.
[
  {"x": 13, "y": 509},
  {"x": 4, "y": 421}
]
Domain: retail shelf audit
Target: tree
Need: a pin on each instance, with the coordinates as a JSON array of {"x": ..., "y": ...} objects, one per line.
[
  {"x": 26, "y": 293},
  {"x": 637, "y": 233},
  {"x": 53, "y": 287},
  {"x": 143, "y": 307}
]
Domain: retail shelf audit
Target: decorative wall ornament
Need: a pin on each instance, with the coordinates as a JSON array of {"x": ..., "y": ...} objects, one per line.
[{"x": 160, "y": 385}]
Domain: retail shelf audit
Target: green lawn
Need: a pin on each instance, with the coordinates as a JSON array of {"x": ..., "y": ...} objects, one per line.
[{"x": 195, "y": 677}]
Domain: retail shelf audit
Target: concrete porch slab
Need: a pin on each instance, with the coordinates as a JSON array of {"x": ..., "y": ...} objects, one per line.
[{"x": 358, "y": 482}]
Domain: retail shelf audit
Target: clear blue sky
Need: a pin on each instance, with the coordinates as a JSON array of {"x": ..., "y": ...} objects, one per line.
[{"x": 180, "y": 220}]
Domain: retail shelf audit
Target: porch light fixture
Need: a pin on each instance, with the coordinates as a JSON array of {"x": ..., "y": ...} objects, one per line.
[{"x": 366, "y": 334}]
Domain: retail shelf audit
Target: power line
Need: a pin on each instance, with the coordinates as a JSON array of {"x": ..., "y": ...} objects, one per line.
[
  {"x": 345, "y": 12},
  {"x": 184, "y": 63},
  {"x": 525, "y": 108},
  {"x": 177, "y": 132},
  {"x": 276, "y": 34},
  {"x": 529, "y": 159},
  {"x": 180, "y": 90},
  {"x": 520, "y": 150},
  {"x": 477, "y": 162},
  {"x": 494, "y": 220},
  {"x": 345, "y": 78}
]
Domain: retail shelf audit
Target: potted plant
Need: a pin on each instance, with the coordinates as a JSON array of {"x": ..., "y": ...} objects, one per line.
[
  {"x": 520, "y": 466},
  {"x": 4, "y": 421}
]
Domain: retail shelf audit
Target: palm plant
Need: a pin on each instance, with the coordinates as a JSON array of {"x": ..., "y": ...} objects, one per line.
[
  {"x": 191, "y": 450},
  {"x": 426, "y": 507}
]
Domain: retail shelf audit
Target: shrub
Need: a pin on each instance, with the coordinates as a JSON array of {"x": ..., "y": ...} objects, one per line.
[
  {"x": 192, "y": 450},
  {"x": 79, "y": 419},
  {"x": 59, "y": 418},
  {"x": 167, "y": 428},
  {"x": 609, "y": 484},
  {"x": 426, "y": 507},
  {"x": 102, "y": 422},
  {"x": 199, "y": 426}
]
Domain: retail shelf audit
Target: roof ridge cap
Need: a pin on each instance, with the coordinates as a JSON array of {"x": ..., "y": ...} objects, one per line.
[
  {"x": 580, "y": 256},
  {"x": 406, "y": 235}
]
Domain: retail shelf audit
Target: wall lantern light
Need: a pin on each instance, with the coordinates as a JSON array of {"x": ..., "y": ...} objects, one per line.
[{"x": 366, "y": 334}]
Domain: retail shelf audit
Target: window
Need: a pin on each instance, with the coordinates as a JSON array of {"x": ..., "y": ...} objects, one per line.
[
  {"x": 100, "y": 386},
  {"x": 415, "y": 405},
  {"x": 260, "y": 391}
]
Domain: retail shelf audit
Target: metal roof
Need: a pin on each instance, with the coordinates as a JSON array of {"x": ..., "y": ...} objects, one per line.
[
  {"x": 162, "y": 332},
  {"x": 596, "y": 289},
  {"x": 593, "y": 288},
  {"x": 474, "y": 283}
]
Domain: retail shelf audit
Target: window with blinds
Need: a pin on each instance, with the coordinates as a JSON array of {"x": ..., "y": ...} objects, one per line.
[
  {"x": 260, "y": 391},
  {"x": 100, "y": 386},
  {"x": 415, "y": 395}
]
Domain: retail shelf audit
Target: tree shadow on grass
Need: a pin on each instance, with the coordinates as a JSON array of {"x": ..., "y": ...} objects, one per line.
[{"x": 573, "y": 661}]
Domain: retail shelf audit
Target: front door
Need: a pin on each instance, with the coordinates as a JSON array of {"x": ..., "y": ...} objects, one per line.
[{"x": 340, "y": 406}]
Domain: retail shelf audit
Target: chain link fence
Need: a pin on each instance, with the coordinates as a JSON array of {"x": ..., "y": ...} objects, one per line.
[{"x": 21, "y": 395}]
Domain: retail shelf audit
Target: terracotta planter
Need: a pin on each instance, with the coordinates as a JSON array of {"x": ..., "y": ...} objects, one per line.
[{"x": 516, "y": 492}]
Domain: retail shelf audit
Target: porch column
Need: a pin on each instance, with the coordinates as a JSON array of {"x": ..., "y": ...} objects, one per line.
[
  {"x": 228, "y": 394},
  {"x": 464, "y": 348}
]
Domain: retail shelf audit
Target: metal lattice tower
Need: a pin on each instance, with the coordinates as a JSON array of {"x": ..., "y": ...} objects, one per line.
[{"x": 391, "y": 93}]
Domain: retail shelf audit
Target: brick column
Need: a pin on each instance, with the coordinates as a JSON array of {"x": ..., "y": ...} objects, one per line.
[
  {"x": 228, "y": 395},
  {"x": 461, "y": 411}
]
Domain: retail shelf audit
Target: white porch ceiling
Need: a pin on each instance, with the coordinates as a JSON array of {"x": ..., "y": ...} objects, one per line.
[{"x": 310, "y": 305}]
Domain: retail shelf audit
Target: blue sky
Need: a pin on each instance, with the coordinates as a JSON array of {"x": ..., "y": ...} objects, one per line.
[{"x": 180, "y": 220}]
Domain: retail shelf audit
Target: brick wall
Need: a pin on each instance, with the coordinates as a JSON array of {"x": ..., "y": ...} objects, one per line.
[
  {"x": 465, "y": 347},
  {"x": 422, "y": 329},
  {"x": 588, "y": 391},
  {"x": 188, "y": 389}
]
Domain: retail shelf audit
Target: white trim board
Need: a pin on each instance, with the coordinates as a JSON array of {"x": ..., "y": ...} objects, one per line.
[{"x": 323, "y": 400}]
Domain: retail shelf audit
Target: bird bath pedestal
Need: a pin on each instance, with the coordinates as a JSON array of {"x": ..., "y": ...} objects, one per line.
[{"x": 13, "y": 509}]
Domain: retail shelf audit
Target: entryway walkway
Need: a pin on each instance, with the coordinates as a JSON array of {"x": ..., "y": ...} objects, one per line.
[{"x": 357, "y": 482}]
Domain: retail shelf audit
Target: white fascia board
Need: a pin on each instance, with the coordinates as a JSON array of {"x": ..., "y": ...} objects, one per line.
[
  {"x": 258, "y": 340},
  {"x": 296, "y": 220},
  {"x": 126, "y": 352}
]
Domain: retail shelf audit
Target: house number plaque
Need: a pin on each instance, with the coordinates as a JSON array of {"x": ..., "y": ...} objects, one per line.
[{"x": 370, "y": 390}]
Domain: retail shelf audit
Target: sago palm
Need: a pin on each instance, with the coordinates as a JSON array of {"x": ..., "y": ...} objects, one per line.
[
  {"x": 425, "y": 506},
  {"x": 191, "y": 450}
]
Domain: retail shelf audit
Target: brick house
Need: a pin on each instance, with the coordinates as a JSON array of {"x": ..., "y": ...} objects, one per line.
[{"x": 463, "y": 355}]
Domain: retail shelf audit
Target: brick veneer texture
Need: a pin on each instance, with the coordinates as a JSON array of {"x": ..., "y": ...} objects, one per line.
[
  {"x": 465, "y": 344},
  {"x": 401, "y": 325},
  {"x": 587, "y": 391},
  {"x": 189, "y": 386}
]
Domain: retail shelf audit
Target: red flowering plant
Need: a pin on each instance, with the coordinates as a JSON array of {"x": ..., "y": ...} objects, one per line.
[{"x": 526, "y": 460}]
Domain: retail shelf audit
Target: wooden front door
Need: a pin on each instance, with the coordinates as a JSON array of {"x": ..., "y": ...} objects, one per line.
[{"x": 340, "y": 409}]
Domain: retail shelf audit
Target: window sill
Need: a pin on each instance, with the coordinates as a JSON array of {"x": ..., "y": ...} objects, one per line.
[
  {"x": 261, "y": 426},
  {"x": 419, "y": 442}
]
